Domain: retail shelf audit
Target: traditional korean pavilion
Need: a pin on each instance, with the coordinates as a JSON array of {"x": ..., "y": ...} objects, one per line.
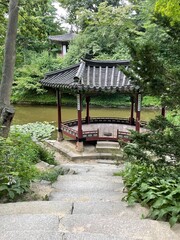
[
  {"x": 63, "y": 40},
  {"x": 89, "y": 78}
]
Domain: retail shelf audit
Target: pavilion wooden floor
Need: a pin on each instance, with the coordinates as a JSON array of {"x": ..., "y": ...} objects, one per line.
[{"x": 107, "y": 128}]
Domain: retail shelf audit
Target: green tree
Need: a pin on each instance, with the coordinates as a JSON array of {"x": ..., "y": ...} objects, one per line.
[
  {"x": 155, "y": 53},
  {"x": 73, "y": 6},
  {"x": 37, "y": 20},
  {"x": 169, "y": 8},
  {"x": 102, "y": 36}
]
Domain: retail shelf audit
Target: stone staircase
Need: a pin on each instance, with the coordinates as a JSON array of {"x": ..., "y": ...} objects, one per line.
[
  {"x": 108, "y": 146},
  {"x": 83, "y": 206}
]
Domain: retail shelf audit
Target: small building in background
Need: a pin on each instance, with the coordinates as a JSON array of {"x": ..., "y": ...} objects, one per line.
[{"x": 63, "y": 41}]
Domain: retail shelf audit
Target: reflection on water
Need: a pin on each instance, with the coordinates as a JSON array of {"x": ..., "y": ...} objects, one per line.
[{"x": 26, "y": 114}]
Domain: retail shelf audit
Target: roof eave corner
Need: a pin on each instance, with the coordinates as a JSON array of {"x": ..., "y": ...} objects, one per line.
[{"x": 80, "y": 71}]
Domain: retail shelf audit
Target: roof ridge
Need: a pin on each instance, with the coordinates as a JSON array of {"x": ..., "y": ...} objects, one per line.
[
  {"x": 107, "y": 61},
  {"x": 62, "y": 70}
]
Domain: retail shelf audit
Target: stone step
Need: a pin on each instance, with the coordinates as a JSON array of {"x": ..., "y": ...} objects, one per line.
[
  {"x": 75, "y": 156},
  {"x": 107, "y": 144},
  {"x": 110, "y": 208},
  {"x": 31, "y": 235},
  {"x": 55, "y": 235},
  {"x": 72, "y": 179},
  {"x": 59, "y": 208},
  {"x": 92, "y": 236},
  {"x": 103, "y": 196},
  {"x": 83, "y": 227},
  {"x": 87, "y": 184},
  {"x": 106, "y": 166},
  {"x": 142, "y": 229}
]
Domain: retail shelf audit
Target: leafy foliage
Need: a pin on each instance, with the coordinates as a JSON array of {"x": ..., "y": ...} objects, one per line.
[
  {"x": 161, "y": 142},
  {"x": 169, "y": 8},
  {"x": 27, "y": 77},
  {"x": 73, "y": 6},
  {"x": 37, "y": 20},
  {"x": 51, "y": 175},
  {"x": 18, "y": 156},
  {"x": 37, "y": 131},
  {"x": 153, "y": 175},
  {"x": 103, "y": 34},
  {"x": 154, "y": 49},
  {"x": 156, "y": 187}
]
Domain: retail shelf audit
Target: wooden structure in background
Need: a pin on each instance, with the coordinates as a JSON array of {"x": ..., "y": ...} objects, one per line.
[{"x": 62, "y": 40}]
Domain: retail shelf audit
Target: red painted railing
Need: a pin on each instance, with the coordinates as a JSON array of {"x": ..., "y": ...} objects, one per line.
[{"x": 94, "y": 135}]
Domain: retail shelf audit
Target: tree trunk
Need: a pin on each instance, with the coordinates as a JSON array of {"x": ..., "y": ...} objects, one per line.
[{"x": 6, "y": 110}]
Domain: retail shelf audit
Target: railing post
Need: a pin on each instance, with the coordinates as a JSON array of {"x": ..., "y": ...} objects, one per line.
[
  {"x": 163, "y": 111},
  {"x": 87, "y": 110},
  {"x": 79, "y": 144},
  {"x": 138, "y": 111},
  {"x": 59, "y": 133},
  {"x": 131, "y": 119}
]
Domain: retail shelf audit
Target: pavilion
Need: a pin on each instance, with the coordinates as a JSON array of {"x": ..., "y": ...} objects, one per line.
[
  {"x": 88, "y": 78},
  {"x": 63, "y": 40}
]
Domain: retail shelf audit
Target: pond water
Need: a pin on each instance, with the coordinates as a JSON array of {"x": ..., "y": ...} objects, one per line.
[{"x": 26, "y": 114}]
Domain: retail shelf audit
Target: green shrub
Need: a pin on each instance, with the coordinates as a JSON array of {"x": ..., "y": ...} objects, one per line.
[
  {"x": 17, "y": 156},
  {"x": 156, "y": 187},
  {"x": 45, "y": 155},
  {"x": 152, "y": 176},
  {"x": 51, "y": 175},
  {"x": 27, "y": 77},
  {"x": 37, "y": 130}
]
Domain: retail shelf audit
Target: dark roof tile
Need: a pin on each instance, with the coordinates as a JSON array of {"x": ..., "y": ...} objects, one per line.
[{"x": 91, "y": 74}]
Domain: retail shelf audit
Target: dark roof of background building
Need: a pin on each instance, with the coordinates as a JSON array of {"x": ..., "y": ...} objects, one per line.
[
  {"x": 63, "y": 38},
  {"x": 91, "y": 75}
]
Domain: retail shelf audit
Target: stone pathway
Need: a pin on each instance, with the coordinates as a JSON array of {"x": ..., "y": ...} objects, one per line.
[{"x": 83, "y": 206}]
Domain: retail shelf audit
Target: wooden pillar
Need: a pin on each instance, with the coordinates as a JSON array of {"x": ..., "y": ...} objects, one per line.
[
  {"x": 163, "y": 111},
  {"x": 59, "y": 133},
  {"x": 79, "y": 144},
  {"x": 87, "y": 110},
  {"x": 138, "y": 111},
  {"x": 131, "y": 119}
]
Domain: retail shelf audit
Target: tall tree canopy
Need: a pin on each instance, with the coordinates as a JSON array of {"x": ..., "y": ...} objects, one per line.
[
  {"x": 73, "y": 6},
  {"x": 103, "y": 33},
  {"x": 169, "y": 8},
  {"x": 154, "y": 47}
]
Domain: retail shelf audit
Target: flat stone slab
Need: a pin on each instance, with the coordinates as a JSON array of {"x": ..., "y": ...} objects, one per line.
[
  {"x": 88, "y": 169},
  {"x": 86, "y": 178},
  {"x": 92, "y": 236},
  {"x": 119, "y": 226},
  {"x": 105, "y": 196},
  {"x": 31, "y": 235},
  {"x": 108, "y": 208},
  {"x": 37, "y": 207},
  {"x": 87, "y": 186},
  {"x": 29, "y": 222}
]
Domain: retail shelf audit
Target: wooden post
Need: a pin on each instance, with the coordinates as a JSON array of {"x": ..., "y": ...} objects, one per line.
[
  {"x": 163, "y": 111},
  {"x": 131, "y": 119},
  {"x": 59, "y": 133},
  {"x": 138, "y": 111},
  {"x": 79, "y": 144},
  {"x": 87, "y": 110}
]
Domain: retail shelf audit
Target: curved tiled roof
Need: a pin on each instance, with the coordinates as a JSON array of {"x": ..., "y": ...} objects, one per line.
[
  {"x": 63, "y": 38},
  {"x": 91, "y": 75}
]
